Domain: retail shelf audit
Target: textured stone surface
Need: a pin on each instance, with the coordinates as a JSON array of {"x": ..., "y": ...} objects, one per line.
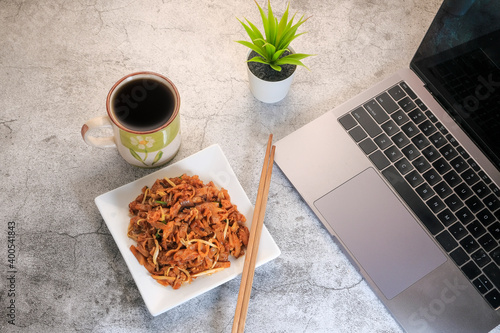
[{"x": 57, "y": 61}]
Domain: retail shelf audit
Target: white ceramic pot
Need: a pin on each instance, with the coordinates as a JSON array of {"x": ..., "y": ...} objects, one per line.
[{"x": 269, "y": 91}]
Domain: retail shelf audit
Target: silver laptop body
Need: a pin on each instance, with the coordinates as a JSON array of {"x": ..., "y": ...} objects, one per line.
[{"x": 384, "y": 238}]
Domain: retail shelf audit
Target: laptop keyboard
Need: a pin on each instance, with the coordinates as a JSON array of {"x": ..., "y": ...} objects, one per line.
[{"x": 453, "y": 197}]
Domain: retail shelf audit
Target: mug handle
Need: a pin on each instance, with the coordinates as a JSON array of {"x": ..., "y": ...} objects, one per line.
[{"x": 100, "y": 142}]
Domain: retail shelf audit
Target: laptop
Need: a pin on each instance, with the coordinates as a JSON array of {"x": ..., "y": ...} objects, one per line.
[{"x": 405, "y": 176}]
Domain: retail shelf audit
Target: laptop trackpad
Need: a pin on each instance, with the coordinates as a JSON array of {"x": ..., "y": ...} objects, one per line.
[{"x": 380, "y": 233}]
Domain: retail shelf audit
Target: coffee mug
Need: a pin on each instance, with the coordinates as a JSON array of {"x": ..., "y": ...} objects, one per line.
[{"x": 143, "y": 111}]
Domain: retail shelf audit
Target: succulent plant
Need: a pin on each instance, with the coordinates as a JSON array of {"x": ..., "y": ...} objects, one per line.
[{"x": 278, "y": 34}]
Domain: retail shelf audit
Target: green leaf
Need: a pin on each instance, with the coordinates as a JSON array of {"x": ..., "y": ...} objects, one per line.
[
  {"x": 157, "y": 157},
  {"x": 270, "y": 50},
  {"x": 259, "y": 59},
  {"x": 253, "y": 47},
  {"x": 136, "y": 156},
  {"x": 286, "y": 61},
  {"x": 275, "y": 67},
  {"x": 277, "y": 55}
]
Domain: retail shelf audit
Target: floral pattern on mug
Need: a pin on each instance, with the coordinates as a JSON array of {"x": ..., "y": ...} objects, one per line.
[{"x": 142, "y": 144}]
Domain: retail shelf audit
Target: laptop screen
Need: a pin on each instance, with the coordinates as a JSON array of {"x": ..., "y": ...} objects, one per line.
[{"x": 459, "y": 59}]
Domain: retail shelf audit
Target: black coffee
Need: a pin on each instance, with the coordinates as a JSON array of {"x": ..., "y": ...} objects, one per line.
[{"x": 143, "y": 104}]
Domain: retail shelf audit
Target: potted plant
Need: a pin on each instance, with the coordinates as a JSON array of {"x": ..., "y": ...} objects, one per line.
[{"x": 271, "y": 61}]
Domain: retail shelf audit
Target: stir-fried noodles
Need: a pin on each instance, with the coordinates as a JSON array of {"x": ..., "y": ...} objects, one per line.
[{"x": 184, "y": 229}]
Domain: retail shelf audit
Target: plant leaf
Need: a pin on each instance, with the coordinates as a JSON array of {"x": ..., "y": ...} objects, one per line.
[
  {"x": 275, "y": 67},
  {"x": 278, "y": 54},
  {"x": 157, "y": 157},
  {"x": 264, "y": 19},
  {"x": 259, "y": 59},
  {"x": 253, "y": 47},
  {"x": 136, "y": 156}
]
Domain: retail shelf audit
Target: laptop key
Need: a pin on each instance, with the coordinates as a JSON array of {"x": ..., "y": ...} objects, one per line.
[
  {"x": 493, "y": 297},
  {"x": 469, "y": 244},
  {"x": 367, "y": 146},
  {"x": 357, "y": 134},
  {"x": 487, "y": 242},
  {"x": 427, "y": 128},
  {"x": 432, "y": 177},
  {"x": 480, "y": 286},
  {"x": 495, "y": 190},
  {"x": 492, "y": 272},
  {"x": 453, "y": 202},
  {"x": 393, "y": 153},
  {"x": 473, "y": 164},
  {"x": 469, "y": 176},
  {"x": 425, "y": 191},
  {"x": 414, "y": 178},
  {"x": 366, "y": 121},
  {"x": 431, "y": 116},
  {"x": 378, "y": 158},
  {"x": 480, "y": 258},
  {"x": 474, "y": 204},
  {"x": 376, "y": 111},
  {"x": 390, "y": 128},
  {"x": 447, "y": 217},
  {"x": 430, "y": 153},
  {"x": 463, "y": 191},
  {"x": 492, "y": 202},
  {"x": 471, "y": 270},
  {"x": 387, "y": 103},
  {"x": 347, "y": 122},
  {"x": 436, "y": 204},
  {"x": 452, "y": 178},
  {"x": 462, "y": 152},
  {"x": 458, "y": 231},
  {"x": 412, "y": 200},
  {"x": 421, "y": 164},
  {"x": 476, "y": 229},
  {"x": 400, "y": 140},
  {"x": 417, "y": 116},
  {"x": 438, "y": 140},
  {"x": 465, "y": 215},
  {"x": 459, "y": 256},
  {"x": 410, "y": 129},
  {"x": 407, "y": 104},
  {"x": 484, "y": 177},
  {"x": 396, "y": 92},
  {"x": 399, "y": 117},
  {"x": 452, "y": 140},
  {"x": 448, "y": 152},
  {"x": 485, "y": 217},
  {"x": 420, "y": 141},
  {"x": 481, "y": 189},
  {"x": 410, "y": 152},
  {"x": 495, "y": 255},
  {"x": 383, "y": 141},
  {"x": 403, "y": 166},
  {"x": 443, "y": 190},
  {"x": 447, "y": 241},
  {"x": 459, "y": 164},
  {"x": 408, "y": 90},
  {"x": 441, "y": 128},
  {"x": 441, "y": 166},
  {"x": 494, "y": 229},
  {"x": 421, "y": 104}
]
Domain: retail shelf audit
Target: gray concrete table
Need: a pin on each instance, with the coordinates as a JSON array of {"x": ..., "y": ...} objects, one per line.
[{"x": 58, "y": 60}]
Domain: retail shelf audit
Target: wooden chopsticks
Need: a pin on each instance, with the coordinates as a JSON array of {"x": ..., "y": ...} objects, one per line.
[{"x": 254, "y": 240}]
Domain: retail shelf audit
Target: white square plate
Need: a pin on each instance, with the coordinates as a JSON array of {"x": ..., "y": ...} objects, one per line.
[{"x": 209, "y": 164}]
